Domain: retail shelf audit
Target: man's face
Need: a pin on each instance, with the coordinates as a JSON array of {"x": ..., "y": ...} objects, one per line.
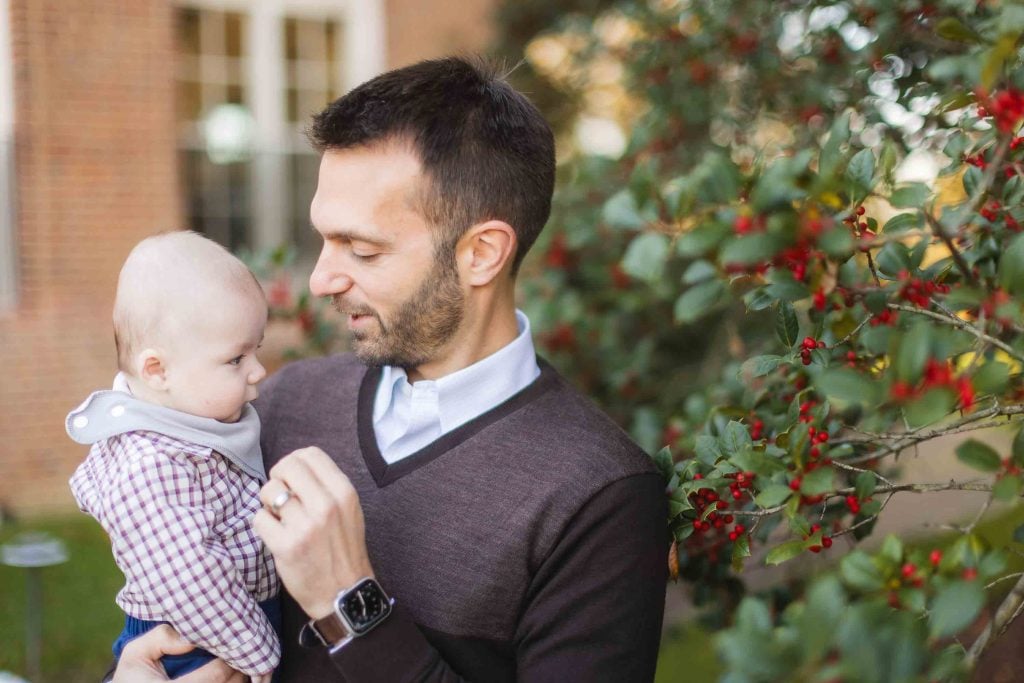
[{"x": 378, "y": 262}]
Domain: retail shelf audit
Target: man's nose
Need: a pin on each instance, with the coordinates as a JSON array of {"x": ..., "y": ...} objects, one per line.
[{"x": 328, "y": 279}]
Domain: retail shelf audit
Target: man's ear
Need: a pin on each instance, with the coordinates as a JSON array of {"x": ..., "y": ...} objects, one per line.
[
  {"x": 151, "y": 369},
  {"x": 485, "y": 251}
]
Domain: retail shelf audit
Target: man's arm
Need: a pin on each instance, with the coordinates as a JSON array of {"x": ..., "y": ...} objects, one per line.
[{"x": 593, "y": 611}]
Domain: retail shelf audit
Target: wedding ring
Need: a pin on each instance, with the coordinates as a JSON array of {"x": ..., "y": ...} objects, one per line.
[{"x": 279, "y": 502}]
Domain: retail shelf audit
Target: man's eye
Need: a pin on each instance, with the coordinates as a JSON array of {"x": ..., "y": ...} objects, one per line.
[{"x": 365, "y": 257}]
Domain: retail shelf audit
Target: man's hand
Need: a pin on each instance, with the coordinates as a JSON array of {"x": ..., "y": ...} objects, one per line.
[
  {"x": 317, "y": 537},
  {"x": 140, "y": 661}
]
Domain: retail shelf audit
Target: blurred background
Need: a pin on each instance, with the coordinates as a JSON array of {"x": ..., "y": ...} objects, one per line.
[{"x": 122, "y": 118}]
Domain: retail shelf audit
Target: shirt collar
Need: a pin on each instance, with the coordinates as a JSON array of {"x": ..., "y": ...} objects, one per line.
[
  {"x": 111, "y": 412},
  {"x": 468, "y": 392}
]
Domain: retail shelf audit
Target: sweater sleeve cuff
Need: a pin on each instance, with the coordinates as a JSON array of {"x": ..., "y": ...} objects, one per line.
[{"x": 395, "y": 650}]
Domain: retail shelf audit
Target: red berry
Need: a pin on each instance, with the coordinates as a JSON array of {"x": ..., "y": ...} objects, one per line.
[
  {"x": 721, "y": 505},
  {"x": 860, "y": 210},
  {"x": 826, "y": 541},
  {"x": 815, "y": 548},
  {"x": 970, "y": 573},
  {"x": 728, "y": 519},
  {"x": 935, "y": 557},
  {"x": 908, "y": 570},
  {"x": 739, "y": 528},
  {"x": 737, "y": 494},
  {"x": 795, "y": 484}
]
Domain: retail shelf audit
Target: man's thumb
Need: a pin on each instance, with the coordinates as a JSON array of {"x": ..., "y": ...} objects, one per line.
[{"x": 162, "y": 640}]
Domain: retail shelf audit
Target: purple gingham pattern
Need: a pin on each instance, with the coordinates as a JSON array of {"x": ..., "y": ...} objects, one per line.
[{"x": 178, "y": 516}]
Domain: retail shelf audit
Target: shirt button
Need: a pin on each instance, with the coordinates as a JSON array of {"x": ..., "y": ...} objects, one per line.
[
  {"x": 117, "y": 411},
  {"x": 80, "y": 422}
]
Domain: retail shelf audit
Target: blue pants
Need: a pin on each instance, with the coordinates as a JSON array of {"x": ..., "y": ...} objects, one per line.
[{"x": 179, "y": 665}]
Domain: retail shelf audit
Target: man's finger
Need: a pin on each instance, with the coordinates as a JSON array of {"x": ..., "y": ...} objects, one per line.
[
  {"x": 150, "y": 646},
  {"x": 296, "y": 475},
  {"x": 269, "y": 528},
  {"x": 327, "y": 472}
]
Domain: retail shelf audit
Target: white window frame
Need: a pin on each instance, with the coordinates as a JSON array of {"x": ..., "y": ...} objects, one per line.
[
  {"x": 8, "y": 220},
  {"x": 363, "y": 57}
]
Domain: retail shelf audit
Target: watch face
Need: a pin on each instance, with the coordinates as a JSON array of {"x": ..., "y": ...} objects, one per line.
[{"x": 365, "y": 605}]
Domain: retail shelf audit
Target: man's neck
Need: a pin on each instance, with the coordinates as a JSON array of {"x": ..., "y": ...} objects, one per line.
[{"x": 479, "y": 336}]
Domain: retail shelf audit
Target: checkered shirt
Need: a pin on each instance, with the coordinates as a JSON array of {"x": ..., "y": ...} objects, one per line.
[{"x": 178, "y": 516}]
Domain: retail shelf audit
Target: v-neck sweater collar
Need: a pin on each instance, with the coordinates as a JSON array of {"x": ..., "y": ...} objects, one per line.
[{"x": 384, "y": 474}]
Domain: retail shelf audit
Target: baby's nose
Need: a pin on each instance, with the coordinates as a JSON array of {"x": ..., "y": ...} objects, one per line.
[{"x": 258, "y": 373}]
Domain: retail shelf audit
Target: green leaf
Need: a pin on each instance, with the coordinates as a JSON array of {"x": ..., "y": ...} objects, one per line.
[
  {"x": 787, "y": 328},
  {"x": 995, "y": 58},
  {"x": 621, "y": 211},
  {"x": 955, "y": 607},
  {"x": 892, "y": 549},
  {"x": 951, "y": 28},
  {"x": 903, "y": 221},
  {"x": 830, "y": 156},
  {"x": 698, "y": 271},
  {"x": 860, "y": 172},
  {"x": 860, "y": 571},
  {"x": 915, "y": 348},
  {"x": 865, "y": 484},
  {"x": 837, "y": 242},
  {"x": 772, "y": 495},
  {"x": 735, "y": 438},
  {"x": 932, "y": 405},
  {"x": 702, "y": 239},
  {"x": 845, "y": 384},
  {"x": 973, "y": 177},
  {"x": 758, "y": 299},
  {"x": 991, "y": 378},
  {"x": 817, "y": 481},
  {"x": 1011, "y": 267},
  {"x": 1018, "y": 448},
  {"x": 784, "y": 552},
  {"x": 707, "y": 449},
  {"x": 892, "y": 258},
  {"x": 1007, "y": 488},
  {"x": 749, "y": 249},
  {"x": 759, "y": 366},
  {"x": 698, "y": 300},
  {"x": 740, "y": 550},
  {"x": 646, "y": 255},
  {"x": 663, "y": 459},
  {"x": 911, "y": 196},
  {"x": 978, "y": 455}
]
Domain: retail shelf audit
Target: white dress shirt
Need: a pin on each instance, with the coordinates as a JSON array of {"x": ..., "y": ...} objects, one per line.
[{"x": 407, "y": 417}]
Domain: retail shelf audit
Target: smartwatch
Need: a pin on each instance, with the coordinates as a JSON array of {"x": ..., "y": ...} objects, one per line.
[{"x": 356, "y": 611}]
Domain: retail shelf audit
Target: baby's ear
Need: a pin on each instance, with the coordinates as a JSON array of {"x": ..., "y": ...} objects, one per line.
[{"x": 150, "y": 369}]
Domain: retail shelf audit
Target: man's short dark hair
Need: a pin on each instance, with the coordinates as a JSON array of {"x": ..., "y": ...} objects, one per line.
[{"x": 486, "y": 151}]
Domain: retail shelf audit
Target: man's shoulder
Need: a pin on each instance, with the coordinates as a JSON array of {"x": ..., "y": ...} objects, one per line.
[
  {"x": 564, "y": 421},
  {"x": 323, "y": 368}
]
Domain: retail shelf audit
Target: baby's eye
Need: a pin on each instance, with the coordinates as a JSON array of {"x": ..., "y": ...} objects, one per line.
[{"x": 236, "y": 360}]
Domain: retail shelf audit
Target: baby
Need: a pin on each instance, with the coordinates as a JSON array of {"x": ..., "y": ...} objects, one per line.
[{"x": 175, "y": 468}]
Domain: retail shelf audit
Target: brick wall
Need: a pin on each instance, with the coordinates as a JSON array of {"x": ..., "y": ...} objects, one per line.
[{"x": 95, "y": 172}]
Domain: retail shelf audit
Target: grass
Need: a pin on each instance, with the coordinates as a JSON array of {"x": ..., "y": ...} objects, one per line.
[{"x": 80, "y": 619}]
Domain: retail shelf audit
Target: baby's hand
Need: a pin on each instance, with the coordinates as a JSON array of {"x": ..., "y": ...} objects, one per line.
[{"x": 262, "y": 678}]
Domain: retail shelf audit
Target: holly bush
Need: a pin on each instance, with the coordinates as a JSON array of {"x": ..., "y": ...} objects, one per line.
[{"x": 807, "y": 260}]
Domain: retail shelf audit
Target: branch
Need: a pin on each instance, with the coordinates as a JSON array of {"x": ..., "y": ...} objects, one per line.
[
  {"x": 1007, "y": 611},
  {"x": 953, "y": 321},
  {"x": 958, "y": 258},
  {"x": 893, "y": 489},
  {"x": 962, "y": 425}
]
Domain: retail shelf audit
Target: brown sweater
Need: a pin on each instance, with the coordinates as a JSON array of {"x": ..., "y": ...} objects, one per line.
[{"x": 528, "y": 544}]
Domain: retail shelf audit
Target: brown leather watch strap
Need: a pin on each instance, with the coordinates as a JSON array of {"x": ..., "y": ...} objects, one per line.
[{"x": 330, "y": 629}]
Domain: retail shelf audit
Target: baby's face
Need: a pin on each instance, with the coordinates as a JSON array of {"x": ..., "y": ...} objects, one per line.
[{"x": 213, "y": 371}]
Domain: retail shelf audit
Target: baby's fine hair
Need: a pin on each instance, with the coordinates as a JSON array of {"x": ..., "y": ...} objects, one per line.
[{"x": 167, "y": 283}]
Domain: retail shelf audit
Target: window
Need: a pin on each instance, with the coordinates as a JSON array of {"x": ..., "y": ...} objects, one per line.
[
  {"x": 8, "y": 260},
  {"x": 249, "y": 77}
]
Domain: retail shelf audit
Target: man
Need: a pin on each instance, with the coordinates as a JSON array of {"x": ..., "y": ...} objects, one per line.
[{"x": 519, "y": 532}]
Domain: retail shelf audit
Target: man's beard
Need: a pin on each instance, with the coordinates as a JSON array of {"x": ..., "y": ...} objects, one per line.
[{"x": 422, "y": 324}]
